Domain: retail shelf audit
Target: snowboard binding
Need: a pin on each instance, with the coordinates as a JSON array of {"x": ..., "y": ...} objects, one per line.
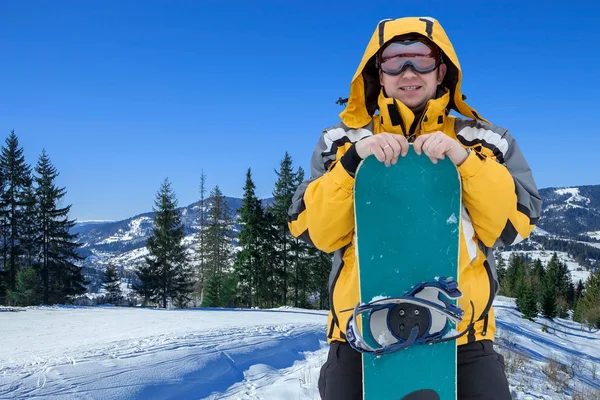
[{"x": 424, "y": 315}]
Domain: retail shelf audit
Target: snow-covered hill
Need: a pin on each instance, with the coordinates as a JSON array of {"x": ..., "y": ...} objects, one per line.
[
  {"x": 108, "y": 353},
  {"x": 123, "y": 242},
  {"x": 571, "y": 211}
]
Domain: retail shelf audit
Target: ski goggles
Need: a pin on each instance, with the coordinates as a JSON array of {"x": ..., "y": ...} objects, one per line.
[{"x": 398, "y": 56}]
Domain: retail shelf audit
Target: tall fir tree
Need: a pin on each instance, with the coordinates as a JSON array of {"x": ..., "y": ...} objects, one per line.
[
  {"x": 219, "y": 249},
  {"x": 62, "y": 278},
  {"x": 248, "y": 261},
  {"x": 282, "y": 200},
  {"x": 112, "y": 285},
  {"x": 527, "y": 301},
  {"x": 548, "y": 301},
  {"x": 167, "y": 273},
  {"x": 200, "y": 249},
  {"x": 501, "y": 271},
  {"x": 515, "y": 274},
  {"x": 17, "y": 186},
  {"x": 299, "y": 251},
  {"x": 271, "y": 258},
  {"x": 559, "y": 278},
  {"x": 537, "y": 275},
  {"x": 219, "y": 232},
  {"x": 30, "y": 237},
  {"x": 590, "y": 301}
]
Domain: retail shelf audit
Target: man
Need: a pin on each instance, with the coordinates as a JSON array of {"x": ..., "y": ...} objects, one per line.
[{"x": 403, "y": 91}]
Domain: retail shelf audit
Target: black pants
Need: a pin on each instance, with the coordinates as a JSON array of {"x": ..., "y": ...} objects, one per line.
[{"x": 480, "y": 373}]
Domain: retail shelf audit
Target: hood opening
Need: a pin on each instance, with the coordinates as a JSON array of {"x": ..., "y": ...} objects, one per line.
[{"x": 362, "y": 101}]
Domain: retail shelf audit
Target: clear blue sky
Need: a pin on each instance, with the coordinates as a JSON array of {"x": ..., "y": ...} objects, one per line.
[{"x": 122, "y": 94}]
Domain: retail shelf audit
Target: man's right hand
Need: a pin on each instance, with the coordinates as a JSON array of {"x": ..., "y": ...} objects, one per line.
[{"x": 386, "y": 147}]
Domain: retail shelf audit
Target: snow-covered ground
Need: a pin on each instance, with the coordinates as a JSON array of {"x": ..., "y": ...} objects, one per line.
[
  {"x": 127, "y": 353},
  {"x": 135, "y": 353},
  {"x": 547, "y": 359}
]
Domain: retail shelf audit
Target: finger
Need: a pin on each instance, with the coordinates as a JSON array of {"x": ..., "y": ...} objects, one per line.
[
  {"x": 440, "y": 150},
  {"x": 378, "y": 152},
  {"x": 418, "y": 143},
  {"x": 430, "y": 145},
  {"x": 395, "y": 146},
  {"x": 388, "y": 152},
  {"x": 402, "y": 143}
]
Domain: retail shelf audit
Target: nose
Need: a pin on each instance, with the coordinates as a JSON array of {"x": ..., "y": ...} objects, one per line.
[{"x": 408, "y": 73}]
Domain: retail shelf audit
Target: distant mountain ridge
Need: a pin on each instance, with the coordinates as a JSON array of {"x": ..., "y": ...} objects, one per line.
[
  {"x": 568, "y": 213},
  {"x": 571, "y": 211}
]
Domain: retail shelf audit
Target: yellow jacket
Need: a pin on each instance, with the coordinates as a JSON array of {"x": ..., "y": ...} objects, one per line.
[{"x": 501, "y": 204}]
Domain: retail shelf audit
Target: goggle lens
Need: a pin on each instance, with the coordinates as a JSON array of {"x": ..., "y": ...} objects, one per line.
[{"x": 398, "y": 56}]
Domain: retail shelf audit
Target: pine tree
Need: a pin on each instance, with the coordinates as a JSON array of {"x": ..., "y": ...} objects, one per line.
[
  {"x": 166, "y": 275},
  {"x": 300, "y": 279},
  {"x": 548, "y": 302},
  {"x": 228, "y": 292},
  {"x": 590, "y": 302},
  {"x": 248, "y": 260},
  {"x": 30, "y": 237},
  {"x": 527, "y": 302},
  {"x": 201, "y": 273},
  {"x": 17, "y": 181},
  {"x": 515, "y": 274},
  {"x": 112, "y": 285},
  {"x": 320, "y": 267},
  {"x": 271, "y": 257},
  {"x": 213, "y": 288},
  {"x": 578, "y": 311},
  {"x": 299, "y": 251},
  {"x": 559, "y": 278},
  {"x": 62, "y": 278},
  {"x": 218, "y": 251},
  {"x": 282, "y": 200},
  {"x": 537, "y": 275},
  {"x": 28, "y": 289},
  {"x": 501, "y": 271}
]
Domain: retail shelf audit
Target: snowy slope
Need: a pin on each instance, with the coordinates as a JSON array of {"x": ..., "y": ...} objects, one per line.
[
  {"x": 573, "y": 198},
  {"x": 126, "y": 353},
  {"x": 134, "y": 353},
  {"x": 528, "y": 352}
]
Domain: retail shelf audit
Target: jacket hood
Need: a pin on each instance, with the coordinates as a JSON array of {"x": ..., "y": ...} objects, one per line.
[{"x": 365, "y": 87}]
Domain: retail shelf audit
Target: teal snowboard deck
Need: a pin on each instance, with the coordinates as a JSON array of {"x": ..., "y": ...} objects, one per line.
[{"x": 407, "y": 225}]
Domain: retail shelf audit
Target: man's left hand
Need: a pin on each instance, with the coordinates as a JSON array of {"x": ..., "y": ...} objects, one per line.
[{"x": 438, "y": 145}]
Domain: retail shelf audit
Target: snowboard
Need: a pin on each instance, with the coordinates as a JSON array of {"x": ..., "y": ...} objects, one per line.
[{"x": 407, "y": 232}]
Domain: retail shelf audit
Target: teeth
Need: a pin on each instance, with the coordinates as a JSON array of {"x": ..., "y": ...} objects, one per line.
[{"x": 409, "y": 88}]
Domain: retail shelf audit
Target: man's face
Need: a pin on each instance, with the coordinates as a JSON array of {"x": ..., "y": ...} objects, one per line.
[{"x": 412, "y": 88}]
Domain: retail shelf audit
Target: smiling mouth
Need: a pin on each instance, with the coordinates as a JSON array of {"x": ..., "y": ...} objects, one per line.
[{"x": 409, "y": 88}]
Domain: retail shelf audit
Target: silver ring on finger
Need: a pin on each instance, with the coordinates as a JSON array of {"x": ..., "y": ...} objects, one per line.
[{"x": 386, "y": 146}]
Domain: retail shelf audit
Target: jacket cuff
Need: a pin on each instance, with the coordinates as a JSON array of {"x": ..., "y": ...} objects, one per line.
[
  {"x": 341, "y": 178},
  {"x": 350, "y": 160},
  {"x": 471, "y": 166}
]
